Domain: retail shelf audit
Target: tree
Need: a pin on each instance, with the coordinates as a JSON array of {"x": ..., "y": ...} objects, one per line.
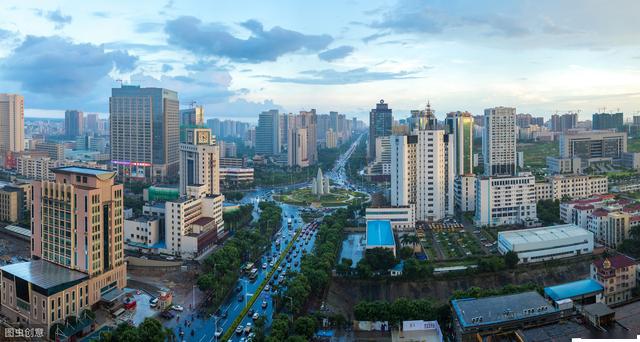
[
  {"x": 364, "y": 270},
  {"x": 405, "y": 253},
  {"x": 511, "y": 259},
  {"x": 379, "y": 259},
  {"x": 305, "y": 326},
  {"x": 151, "y": 330},
  {"x": 296, "y": 338},
  {"x": 410, "y": 239}
]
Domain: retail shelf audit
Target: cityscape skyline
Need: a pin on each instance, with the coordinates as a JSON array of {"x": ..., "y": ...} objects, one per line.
[{"x": 267, "y": 57}]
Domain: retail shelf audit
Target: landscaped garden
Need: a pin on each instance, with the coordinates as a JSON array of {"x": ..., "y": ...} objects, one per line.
[{"x": 337, "y": 197}]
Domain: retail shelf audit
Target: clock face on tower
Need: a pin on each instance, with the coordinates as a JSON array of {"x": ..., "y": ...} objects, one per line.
[{"x": 203, "y": 137}]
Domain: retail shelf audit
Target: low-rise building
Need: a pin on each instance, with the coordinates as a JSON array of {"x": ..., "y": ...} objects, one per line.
[
  {"x": 236, "y": 176},
  {"x": 505, "y": 200},
  {"x": 609, "y": 227},
  {"x": 419, "y": 330},
  {"x": 474, "y": 319},
  {"x": 465, "y": 192},
  {"x": 11, "y": 204},
  {"x": 573, "y": 186},
  {"x": 582, "y": 292},
  {"x": 631, "y": 160},
  {"x": 617, "y": 274},
  {"x": 558, "y": 165},
  {"x": 401, "y": 218},
  {"x": 380, "y": 235},
  {"x": 143, "y": 232},
  {"x": 546, "y": 243}
]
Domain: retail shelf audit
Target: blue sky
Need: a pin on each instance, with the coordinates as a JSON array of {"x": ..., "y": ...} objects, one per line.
[{"x": 241, "y": 57}]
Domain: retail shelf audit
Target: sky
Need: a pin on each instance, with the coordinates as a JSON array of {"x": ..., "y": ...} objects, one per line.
[{"x": 237, "y": 58}]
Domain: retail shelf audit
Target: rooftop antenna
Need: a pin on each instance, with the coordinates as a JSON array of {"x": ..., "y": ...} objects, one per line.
[{"x": 602, "y": 109}]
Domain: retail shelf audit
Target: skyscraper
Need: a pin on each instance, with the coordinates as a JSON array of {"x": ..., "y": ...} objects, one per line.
[
  {"x": 268, "y": 133},
  {"x": 11, "y": 123},
  {"x": 199, "y": 161},
  {"x": 499, "y": 141},
  {"x": 73, "y": 123},
  {"x": 76, "y": 247},
  {"x": 380, "y": 122},
  {"x": 460, "y": 127},
  {"x": 145, "y": 132}
]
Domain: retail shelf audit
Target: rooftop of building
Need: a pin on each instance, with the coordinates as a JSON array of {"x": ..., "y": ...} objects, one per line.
[
  {"x": 236, "y": 169},
  {"x": 45, "y": 275},
  {"x": 475, "y": 312},
  {"x": 144, "y": 218},
  {"x": 102, "y": 174},
  {"x": 379, "y": 233},
  {"x": 615, "y": 262},
  {"x": 594, "y": 199},
  {"x": 573, "y": 289},
  {"x": 541, "y": 234},
  {"x": 203, "y": 221},
  {"x": 598, "y": 309}
]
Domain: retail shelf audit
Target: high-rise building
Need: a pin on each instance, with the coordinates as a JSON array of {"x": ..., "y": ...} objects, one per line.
[
  {"x": 11, "y": 125},
  {"x": 538, "y": 121},
  {"x": 214, "y": 125},
  {"x": 73, "y": 123},
  {"x": 380, "y": 124},
  {"x": 192, "y": 116},
  {"x": 460, "y": 129},
  {"x": 523, "y": 120},
  {"x": 309, "y": 120},
  {"x": 145, "y": 132},
  {"x": 91, "y": 123},
  {"x": 297, "y": 153},
  {"x": 564, "y": 122},
  {"x": 331, "y": 139},
  {"x": 199, "y": 161},
  {"x": 420, "y": 175},
  {"x": 602, "y": 121},
  {"x": 499, "y": 141},
  {"x": 268, "y": 133},
  {"x": 77, "y": 247}
]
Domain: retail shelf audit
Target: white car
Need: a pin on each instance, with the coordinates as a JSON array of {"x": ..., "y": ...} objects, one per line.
[
  {"x": 177, "y": 308},
  {"x": 219, "y": 332},
  {"x": 256, "y": 316}
]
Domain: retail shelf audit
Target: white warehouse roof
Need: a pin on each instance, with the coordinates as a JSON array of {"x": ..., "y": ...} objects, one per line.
[{"x": 542, "y": 234}]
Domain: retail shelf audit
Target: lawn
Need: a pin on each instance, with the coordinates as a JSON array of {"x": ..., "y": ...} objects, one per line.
[
  {"x": 535, "y": 154},
  {"x": 337, "y": 197},
  {"x": 633, "y": 145}
]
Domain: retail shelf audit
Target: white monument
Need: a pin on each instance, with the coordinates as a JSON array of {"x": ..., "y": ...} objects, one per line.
[{"x": 320, "y": 184}]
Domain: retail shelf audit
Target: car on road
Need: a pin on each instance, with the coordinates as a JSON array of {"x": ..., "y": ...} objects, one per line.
[
  {"x": 271, "y": 264},
  {"x": 267, "y": 287},
  {"x": 240, "y": 298},
  {"x": 264, "y": 266},
  {"x": 255, "y": 316},
  {"x": 279, "y": 269},
  {"x": 247, "y": 329},
  {"x": 225, "y": 314},
  {"x": 295, "y": 263},
  {"x": 167, "y": 314},
  {"x": 264, "y": 304},
  {"x": 239, "y": 330},
  {"x": 177, "y": 307},
  {"x": 153, "y": 302}
]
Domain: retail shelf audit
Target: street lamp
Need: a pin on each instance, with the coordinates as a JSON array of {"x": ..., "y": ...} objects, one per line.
[{"x": 215, "y": 328}]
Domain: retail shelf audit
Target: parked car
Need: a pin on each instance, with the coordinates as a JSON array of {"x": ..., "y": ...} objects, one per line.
[
  {"x": 255, "y": 316},
  {"x": 177, "y": 307},
  {"x": 239, "y": 330},
  {"x": 167, "y": 314}
]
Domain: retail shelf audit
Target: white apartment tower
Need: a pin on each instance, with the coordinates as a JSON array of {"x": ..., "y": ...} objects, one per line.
[
  {"x": 420, "y": 174},
  {"x": 499, "y": 141},
  {"x": 199, "y": 161}
]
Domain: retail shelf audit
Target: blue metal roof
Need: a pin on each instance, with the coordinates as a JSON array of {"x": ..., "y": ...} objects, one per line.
[
  {"x": 379, "y": 233},
  {"x": 84, "y": 170},
  {"x": 574, "y": 289}
]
